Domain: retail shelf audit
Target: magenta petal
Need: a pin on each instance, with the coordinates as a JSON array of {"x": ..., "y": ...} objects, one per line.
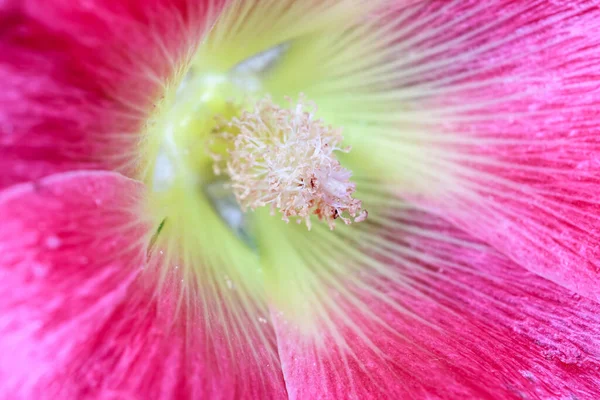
[
  {"x": 64, "y": 264},
  {"x": 79, "y": 318},
  {"x": 143, "y": 351},
  {"x": 475, "y": 325},
  {"x": 79, "y": 80},
  {"x": 517, "y": 86},
  {"x": 540, "y": 185}
]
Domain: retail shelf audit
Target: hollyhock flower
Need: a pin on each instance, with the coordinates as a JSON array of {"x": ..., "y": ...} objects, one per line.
[{"x": 441, "y": 156}]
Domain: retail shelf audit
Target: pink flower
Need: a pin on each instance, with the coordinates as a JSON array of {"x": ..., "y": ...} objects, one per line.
[{"x": 127, "y": 271}]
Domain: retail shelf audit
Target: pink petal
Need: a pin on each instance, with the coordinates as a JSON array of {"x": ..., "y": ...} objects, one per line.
[
  {"x": 79, "y": 319},
  {"x": 469, "y": 324},
  {"x": 79, "y": 79},
  {"x": 549, "y": 221},
  {"x": 529, "y": 143}
]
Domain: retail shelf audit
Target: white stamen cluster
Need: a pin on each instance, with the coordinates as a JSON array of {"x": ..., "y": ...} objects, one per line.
[{"x": 284, "y": 159}]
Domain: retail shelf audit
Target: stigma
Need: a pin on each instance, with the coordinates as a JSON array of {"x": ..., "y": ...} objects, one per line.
[{"x": 285, "y": 159}]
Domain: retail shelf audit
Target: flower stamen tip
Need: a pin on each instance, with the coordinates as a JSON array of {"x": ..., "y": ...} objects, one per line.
[{"x": 284, "y": 158}]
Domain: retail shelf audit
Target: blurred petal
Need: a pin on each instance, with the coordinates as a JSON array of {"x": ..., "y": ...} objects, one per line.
[
  {"x": 463, "y": 321},
  {"x": 80, "y": 79},
  {"x": 79, "y": 319}
]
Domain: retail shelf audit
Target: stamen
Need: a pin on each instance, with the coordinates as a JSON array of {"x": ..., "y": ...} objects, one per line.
[{"x": 284, "y": 159}]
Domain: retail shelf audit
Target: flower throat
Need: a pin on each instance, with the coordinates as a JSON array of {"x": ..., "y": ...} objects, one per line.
[{"x": 240, "y": 157}]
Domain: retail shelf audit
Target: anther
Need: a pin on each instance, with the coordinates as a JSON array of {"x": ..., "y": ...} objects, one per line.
[{"x": 284, "y": 158}]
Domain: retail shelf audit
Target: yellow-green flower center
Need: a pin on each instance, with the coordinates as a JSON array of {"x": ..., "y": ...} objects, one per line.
[{"x": 271, "y": 153}]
